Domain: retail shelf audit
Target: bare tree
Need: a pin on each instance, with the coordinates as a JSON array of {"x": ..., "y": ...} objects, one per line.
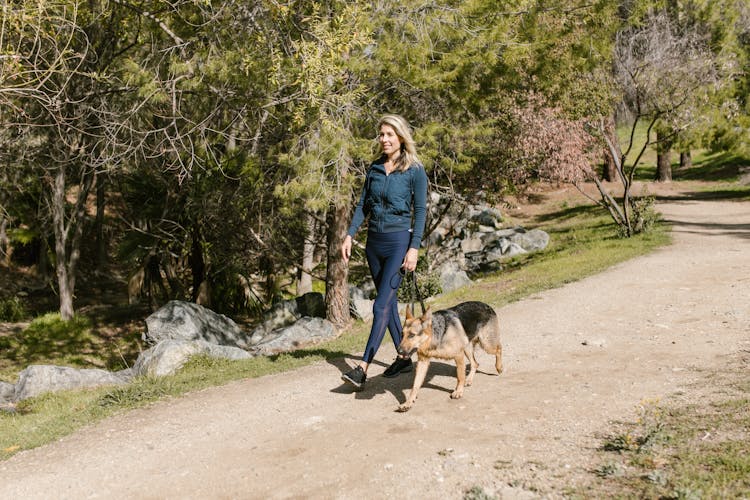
[{"x": 662, "y": 73}]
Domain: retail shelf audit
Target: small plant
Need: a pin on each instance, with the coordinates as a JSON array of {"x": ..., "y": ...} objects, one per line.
[
  {"x": 478, "y": 493},
  {"x": 12, "y": 309},
  {"x": 620, "y": 443},
  {"x": 609, "y": 469},
  {"x": 644, "y": 214},
  {"x": 139, "y": 391}
]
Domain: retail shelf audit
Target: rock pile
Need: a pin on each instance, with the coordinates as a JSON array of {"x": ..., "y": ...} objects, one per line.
[{"x": 471, "y": 239}]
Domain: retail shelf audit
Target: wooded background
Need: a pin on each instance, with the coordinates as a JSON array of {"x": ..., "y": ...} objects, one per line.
[{"x": 211, "y": 151}]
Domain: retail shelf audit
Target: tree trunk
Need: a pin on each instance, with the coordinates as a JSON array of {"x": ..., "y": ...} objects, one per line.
[
  {"x": 337, "y": 290},
  {"x": 663, "y": 161},
  {"x": 197, "y": 262},
  {"x": 686, "y": 159},
  {"x": 101, "y": 243},
  {"x": 609, "y": 172},
  {"x": 68, "y": 235},
  {"x": 65, "y": 286},
  {"x": 304, "y": 284},
  {"x": 4, "y": 241}
]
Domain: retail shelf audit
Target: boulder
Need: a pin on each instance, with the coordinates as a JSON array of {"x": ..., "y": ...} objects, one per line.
[
  {"x": 7, "y": 392},
  {"x": 281, "y": 314},
  {"x": 178, "y": 320},
  {"x": 531, "y": 241},
  {"x": 311, "y": 304},
  {"x": 452, "y": 277},
  {"x": 168, "y": 356},
  {"x": 361, "y": 308},
  {"x": 489, "y": 216},
  {"x": 305, "y": 332},
  {"x": 38, "y": 379}
]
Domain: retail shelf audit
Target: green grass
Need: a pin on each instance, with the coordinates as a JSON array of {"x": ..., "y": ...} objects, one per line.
[
  {"x": 50, "y": 340},
  {"x": 582, "y": 242},
  {"x": 681, "y": 450}
]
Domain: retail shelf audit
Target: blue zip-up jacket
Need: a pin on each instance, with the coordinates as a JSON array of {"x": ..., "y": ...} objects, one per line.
[{"x": 389, "y": 199}]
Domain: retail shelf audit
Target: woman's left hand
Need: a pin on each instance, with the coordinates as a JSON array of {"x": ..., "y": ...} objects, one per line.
[{"x": 410, "y": 261}]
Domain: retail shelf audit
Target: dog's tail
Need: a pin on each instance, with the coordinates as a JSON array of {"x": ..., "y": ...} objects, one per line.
[{"x": 489, "y": 339}]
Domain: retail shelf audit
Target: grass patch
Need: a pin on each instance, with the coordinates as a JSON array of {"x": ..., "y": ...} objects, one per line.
[
  {"x": 582, "y": 242},
  {"x": 50, "y": 340},
  {"x": 681, "y": 450},
  {"x": 714, "y": 166}
]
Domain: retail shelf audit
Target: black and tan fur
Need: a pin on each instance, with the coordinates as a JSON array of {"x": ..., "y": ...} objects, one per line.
[{"x": 451, "y": 334}]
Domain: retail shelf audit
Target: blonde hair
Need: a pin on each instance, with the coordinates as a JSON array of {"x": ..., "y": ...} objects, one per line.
[{"x": 408, "y": 155}]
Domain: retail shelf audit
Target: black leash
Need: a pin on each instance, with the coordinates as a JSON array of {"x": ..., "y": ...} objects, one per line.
[{"x": 416, "y": 292}]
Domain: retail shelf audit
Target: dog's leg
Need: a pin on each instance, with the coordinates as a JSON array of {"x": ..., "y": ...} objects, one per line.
[
  {"x": 421, "y": 372},
  {"x": 499, "y": 359},
  {"x": 470, "y": 350},
  {"x": 460, "y": 375}
]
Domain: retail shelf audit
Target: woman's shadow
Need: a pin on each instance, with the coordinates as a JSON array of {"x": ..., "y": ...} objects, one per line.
[{"x": 398, "y": 386}]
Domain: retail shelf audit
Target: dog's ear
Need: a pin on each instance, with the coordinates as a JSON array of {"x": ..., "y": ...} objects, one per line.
[
  {"x": 408, "y": 313},
  {"x": 427, "y": 316}
]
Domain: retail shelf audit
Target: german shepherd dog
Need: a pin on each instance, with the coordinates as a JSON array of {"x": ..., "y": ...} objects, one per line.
[{"x": 450, "y": 334}]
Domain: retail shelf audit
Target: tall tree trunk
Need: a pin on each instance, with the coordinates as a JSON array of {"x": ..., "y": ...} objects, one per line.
[
  {"x": 68, "y": 234},
  {"x": 304, "y": 284},
  {"x": 65, "y": 285},
  {"x": 686, "y": 159},
  {"x": 337, "y": 290},
  {"x": 609, "y": 172},
  {"x": 663, "y": 160},
  {"x": 197, "y": 262},
  {"x": 4, "y": 240},
  {"x": 101, "y": 243}
]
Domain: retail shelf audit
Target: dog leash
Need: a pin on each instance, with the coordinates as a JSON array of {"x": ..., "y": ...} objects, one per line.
[{"x": 416, "y": 292}]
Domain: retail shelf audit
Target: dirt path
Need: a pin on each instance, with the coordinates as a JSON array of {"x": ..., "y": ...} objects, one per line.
[{"x": 576, "y": 358}]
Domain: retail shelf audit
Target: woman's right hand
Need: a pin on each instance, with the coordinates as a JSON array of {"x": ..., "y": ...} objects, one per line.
[{"x": 346, "y": 248}]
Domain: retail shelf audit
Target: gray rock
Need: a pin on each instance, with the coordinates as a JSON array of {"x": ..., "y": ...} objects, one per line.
[
  {"x": 7, "y": 392},
  {"x": 531, "y": 241},
  {"x": 305, "y": 332},
  {"x": 38, "y": 379},
  {"x": 168, "y": 356},
  {"x": 452, "y": 277},
  {"x": 472, "y": 244},
  {"x": 178, "y": 320},
  {"x": 361, "y": 308},
  {"x": 488, "y": 217},
  {"x": 512, "y": 249},
  {"x": 312, "y": 304},
  {"x": 281, "y": 314}
]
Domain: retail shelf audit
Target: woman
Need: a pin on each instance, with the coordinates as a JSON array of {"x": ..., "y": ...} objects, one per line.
[{"x": 394, "y": 198}]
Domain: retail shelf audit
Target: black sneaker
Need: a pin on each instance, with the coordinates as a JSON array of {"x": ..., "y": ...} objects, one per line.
[
  {"x": 355, "y": 376},
  {"x": 401, "y": 365}
]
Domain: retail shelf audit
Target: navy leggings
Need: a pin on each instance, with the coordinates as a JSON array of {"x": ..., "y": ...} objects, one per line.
[{"x": 385, "y": 253}]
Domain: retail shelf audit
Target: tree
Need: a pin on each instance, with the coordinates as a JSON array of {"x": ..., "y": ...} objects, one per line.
[
  {"x": 663, "y": 74},
  {"x": 83, "y": 85}
]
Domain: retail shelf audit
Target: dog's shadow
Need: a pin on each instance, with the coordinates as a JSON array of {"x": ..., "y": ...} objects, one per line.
[{"x": 398, "y": 386}]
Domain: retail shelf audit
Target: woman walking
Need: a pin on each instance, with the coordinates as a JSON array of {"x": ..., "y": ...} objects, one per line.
[{"x": 394, "y": 199}]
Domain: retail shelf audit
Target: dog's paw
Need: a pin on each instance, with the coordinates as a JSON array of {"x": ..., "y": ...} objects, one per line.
[
  {"x": 403, "y": 408},
  {"x": 457, "y": 394}
]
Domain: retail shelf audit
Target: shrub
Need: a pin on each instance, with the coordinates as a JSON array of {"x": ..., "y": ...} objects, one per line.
[{"x": 12, "y": 309}]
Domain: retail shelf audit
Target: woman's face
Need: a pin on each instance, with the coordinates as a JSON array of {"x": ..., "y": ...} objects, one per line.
[{"x": 389, "y": 141}]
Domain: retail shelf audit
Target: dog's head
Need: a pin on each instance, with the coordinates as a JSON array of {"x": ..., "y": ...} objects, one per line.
[{"x": 417, "y": 332}]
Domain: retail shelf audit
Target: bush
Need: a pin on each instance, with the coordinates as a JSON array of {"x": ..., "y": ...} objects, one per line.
[{"x": 12, "y": 309}]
